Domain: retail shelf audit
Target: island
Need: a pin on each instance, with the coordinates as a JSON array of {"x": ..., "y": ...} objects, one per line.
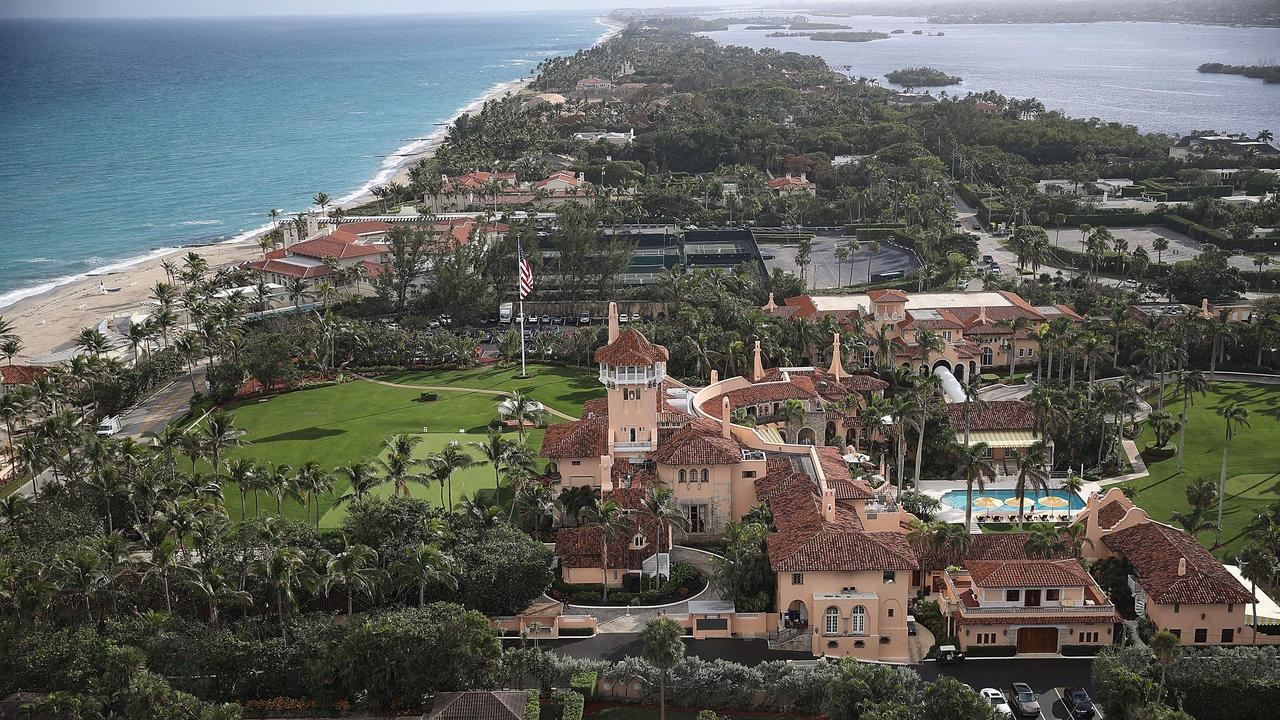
[
  {"x": 849, "y": 36},
  {"x": 818, "y": 26},
  {"x": 921, "y": 77},
  {"x": 1265, "y": 73}
]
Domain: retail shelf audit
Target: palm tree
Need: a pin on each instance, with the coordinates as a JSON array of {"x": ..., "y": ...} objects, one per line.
[
  {"x": 277, "y": 479},
  {"x": 80, "y": 574},
  {"x": 494, "y": 450},
  {"x": 216, "y": 589},
  {"x": 1045, "y": 541},
  {"x": 162, "y": 563},
  {"x": 219, "y": 434},
  {"x": 284, "y": 569},
  {"x": 1166, "y": 647},
  {"x": 396, "y": 466},
  {"x": 356, "y": 569},
  {"x": 1259, "y": 567},
  {"x": 791, "y": 413},
  {"x": 1189, "y": 384},
  {"x": 243, "y": 472},
  {"x": 659, "y": 506},
  {"x": 1031, "y": 473},
  {"x": 449, "y": 459},
  {"x": 361, "y": 479},
  {"x": 610, "y": 520},
  {"x": 309, "y": 482},
  {"x": 927, "y": 343},
  {"x": 321, "y": 199},
  {"x": 663, "y": 648},
  {"x": 1201, "y": 494},
  {"x": 522, "y": 408},
  {"x": 1234, "y": 415},
  {"x": 973, "y": 467},
  {"x": 923, "y": 396},
  {"x": 426, "y": 565}
]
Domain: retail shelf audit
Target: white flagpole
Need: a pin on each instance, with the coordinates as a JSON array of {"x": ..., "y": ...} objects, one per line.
[{"x": 520, "y": 295}]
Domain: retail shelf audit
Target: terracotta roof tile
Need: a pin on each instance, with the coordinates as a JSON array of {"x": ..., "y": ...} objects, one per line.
[
  {"x": 21, "y": 374},
  {"x": 479, "y": 705},
  {"x": 987, "y": 546},
  {"x": 1047, "y": 619},
  {"x": 699, "y": 442},
  {"x": 994, "y": 415},
  {"x": 1155, "y": 550},
  {"x": 579, "y": 439},
  {"x": 1027, "y": 573},
  {"x": 579, "y": 547},
  {"x": 836, "y": 471},
  {"x": 632, "y": 348},
  {"x": 1110, "y": 514}
]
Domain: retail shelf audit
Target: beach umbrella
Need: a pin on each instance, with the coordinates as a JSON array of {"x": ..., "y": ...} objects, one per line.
[
  {"x": 1053, "y": 501},
  {"x": 986, "y": 502},
  {"x": 1026, "y": 502}
]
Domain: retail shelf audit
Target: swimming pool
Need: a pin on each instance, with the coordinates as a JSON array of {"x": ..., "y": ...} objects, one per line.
[{"x": 1006, "y": 500}]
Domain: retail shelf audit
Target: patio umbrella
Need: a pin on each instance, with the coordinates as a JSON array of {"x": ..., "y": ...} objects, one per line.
[
  {"x": 986, "y": 502},
  {"x": 1053, "y": 501},
  {"x": 1026, "y": 502}
]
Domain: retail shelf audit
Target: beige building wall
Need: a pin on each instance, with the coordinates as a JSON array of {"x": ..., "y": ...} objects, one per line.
[
  {"x": 1213, "y": 619},
  {"x": 884, "y": 636}
]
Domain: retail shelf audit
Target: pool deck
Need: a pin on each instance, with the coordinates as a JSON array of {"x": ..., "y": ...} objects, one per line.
[{"x": 936, "y": 489}]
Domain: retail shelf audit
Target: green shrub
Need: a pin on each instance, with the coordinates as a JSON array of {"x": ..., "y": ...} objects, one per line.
[
  {"x": 992, "y": 651},
  {"x": 1081, "y": 650},
  {"x": 584, "y": 683},
  {"x": 532, "y": 707},
  {"x": 429, "y": 397},
  {"x": 574, "y": 705}
]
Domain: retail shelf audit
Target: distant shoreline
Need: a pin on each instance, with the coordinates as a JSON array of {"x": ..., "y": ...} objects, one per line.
[{"x": 48, "y": 316}]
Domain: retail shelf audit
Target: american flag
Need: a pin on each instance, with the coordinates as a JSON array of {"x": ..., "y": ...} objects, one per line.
[{"x": 526, "y": 273}]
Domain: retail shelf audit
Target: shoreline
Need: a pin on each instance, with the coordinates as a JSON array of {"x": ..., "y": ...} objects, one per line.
[{"x": 48, "y": 316}]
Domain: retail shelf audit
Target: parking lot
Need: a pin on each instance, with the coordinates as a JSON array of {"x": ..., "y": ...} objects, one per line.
[
  {"x": 1048, "y": 677},
  {"x": 825, "y": 272}
]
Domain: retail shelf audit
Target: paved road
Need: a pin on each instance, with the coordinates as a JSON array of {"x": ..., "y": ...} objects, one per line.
[
  {"x": 1047, "y": 676},
  {"x": 624, "y": 620}
]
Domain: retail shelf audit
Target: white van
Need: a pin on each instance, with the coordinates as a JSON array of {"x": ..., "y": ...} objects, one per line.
[
  {"x": 504, "y": 313},
  {"x": 109, "y": 426}
]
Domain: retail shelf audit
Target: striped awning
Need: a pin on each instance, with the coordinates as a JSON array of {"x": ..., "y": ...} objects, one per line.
[
  {"x": 1000, "y": 438},
  {"x": 770, "y": 434},
  {"x": 1268, "y": 609}
]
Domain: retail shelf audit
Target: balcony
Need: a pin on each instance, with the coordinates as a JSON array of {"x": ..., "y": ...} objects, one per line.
[{"x": 636, "y": 446}]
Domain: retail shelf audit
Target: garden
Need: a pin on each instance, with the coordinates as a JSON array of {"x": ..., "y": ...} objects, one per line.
[
  {"x": 1253, "y": 460},
  {"x": 339, "y": 425}
]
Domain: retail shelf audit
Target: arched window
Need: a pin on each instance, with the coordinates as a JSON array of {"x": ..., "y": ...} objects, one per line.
[
  {"x": 868, "y": 359},
  {"x": 858, "y": 621},
  {"x": 683, "y": 476},
  {"x": 831, "y": 624},
  {"x": 704, "y": 474},
  {"x": 638, "y": 541},
  {"x": 633, "y": 434},
  {"x": 986, "y": 355}
]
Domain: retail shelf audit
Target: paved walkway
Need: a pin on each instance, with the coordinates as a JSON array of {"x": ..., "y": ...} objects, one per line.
[
  {"x": 633, "y": 619},
  {"x": 454, "y": 388}
]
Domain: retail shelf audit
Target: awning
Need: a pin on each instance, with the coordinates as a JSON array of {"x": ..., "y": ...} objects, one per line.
[
  {"x": 1000, "y": 438},
  {"x": 1268, "y": 609}
]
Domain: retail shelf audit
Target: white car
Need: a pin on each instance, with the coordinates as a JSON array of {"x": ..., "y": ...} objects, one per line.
[{"x": 997, "y": 700}]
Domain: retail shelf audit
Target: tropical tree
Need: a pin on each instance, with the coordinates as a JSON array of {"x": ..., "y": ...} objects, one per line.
[
  {"x": 973, "y": 465},
  {"x": 285, "y": 570},
  {"x": 361, "y": 479},
  {"x": 1258, "y": 567},
  {"x": 1189, "y": 383},
  {"x": 1234, "y": 415},
  {"x": 355, "y": 569},
  {"x": 610, "y": 520},
  {"x": 660, "y": 508},
  {"x": 1031, "y": 464},
  {"x": 494, "y": 451},
  {"x": 791, "y": 413},
  {"x": 662, "y": 641},
  {"x": 450, "y": 459},
  {"x": 425, "y": 566},
  {"x": 1201, "y": 494},
  {"x": 521, "y": 408},
  {"x": 1167, "y": 648},
  {"x": 220, "y": 434}
]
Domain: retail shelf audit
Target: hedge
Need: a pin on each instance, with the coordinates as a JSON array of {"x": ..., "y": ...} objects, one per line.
[
  {"x": 574, "y": 704},
  {"x": 532, "y": 708},
  {"x": 1081, "y": 650},
  {"x": 584, "y": 683},
  {"x": 1197, "y": 231},
  {"x": 992, "y": 651},
  {"x": 1119, "y": 219}
]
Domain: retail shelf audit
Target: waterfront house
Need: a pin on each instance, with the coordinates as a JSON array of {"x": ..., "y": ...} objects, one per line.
[{"x": 14, "y": 376}]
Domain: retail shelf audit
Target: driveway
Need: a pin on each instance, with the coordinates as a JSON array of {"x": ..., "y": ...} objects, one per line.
[{"x": 624, "y": 620}]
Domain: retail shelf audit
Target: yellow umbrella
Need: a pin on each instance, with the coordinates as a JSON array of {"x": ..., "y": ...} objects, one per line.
[
  {"x": 986, "y": 502},
  {"x": 1053, "y": 501},
  {"x": 1026, "y": 502}
]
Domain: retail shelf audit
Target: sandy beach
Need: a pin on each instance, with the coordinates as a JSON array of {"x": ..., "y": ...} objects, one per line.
[{"x": 48, "y": 322}]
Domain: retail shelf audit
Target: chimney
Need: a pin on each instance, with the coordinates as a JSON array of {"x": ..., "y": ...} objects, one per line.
[
  {"x": 837, "y": 368},
  {"x": 982, "y": 314},
  {"x": 613, "y": 321},
  {"x": 1204, "y": 307},
  {"x": 828, "y": 504},
  {"x": 715, "y": 376},
  {"x": 606, "y": 472},
  {"x": 757, "y": 369},
  {"x": 804, "y": 176},
  {"x": 725, "y": 412},
  {"x": 771, "y": 305},
  {"x": 1182, "y": 566},
  {"x": 582, "y": 177}
]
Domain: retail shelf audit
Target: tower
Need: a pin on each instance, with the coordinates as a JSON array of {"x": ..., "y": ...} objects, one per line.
[{"x": 632, "y": 369}]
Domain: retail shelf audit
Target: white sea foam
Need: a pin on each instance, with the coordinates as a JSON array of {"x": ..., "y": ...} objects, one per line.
[
  {"x": 200, "y": 222},
  {"x": 10, "y": 298}
]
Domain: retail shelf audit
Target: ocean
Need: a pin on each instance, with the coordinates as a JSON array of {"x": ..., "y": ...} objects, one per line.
[
  {"x": 123, "y": 138},
  {"x": 1141, "y": 74}
]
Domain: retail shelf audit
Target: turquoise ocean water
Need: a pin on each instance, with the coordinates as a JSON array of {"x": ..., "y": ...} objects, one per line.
[{"x": 121, "y": 138}]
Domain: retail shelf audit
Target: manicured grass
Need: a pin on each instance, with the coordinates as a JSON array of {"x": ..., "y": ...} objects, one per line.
[
  {"x": 344, "y": 424},
  {"x": 562, "y": 388},
  {"x": 1254, "y": 459}
]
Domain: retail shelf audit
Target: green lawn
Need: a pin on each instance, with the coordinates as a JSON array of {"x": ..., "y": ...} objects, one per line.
[
  {"x": 1252, "y": 474},
  {"x": 343, "y": 424}
]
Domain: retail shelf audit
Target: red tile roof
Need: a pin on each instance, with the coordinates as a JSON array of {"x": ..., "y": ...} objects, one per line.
[
  {"x": 579, "y": 547},
  {"x": 1155, "y": 550},
  {"x": 887, "y": 296},
  {"x": 579, "y": 439},
  {"x": 21, "y": 374},
  {"x": 798, "y": 388},
  {"x": 361, "y": 227},
  {"x": 836, "y": 471},
  {"x": 632, "y": 348},
  {"x": 336, "y": 245},
  {"x": 788, "y": 181},
  {"x": 993, "y": 415},
  {"x": 699, "y": 442},
  {"x": 1110, "y": 514},
  {"x": 1027, "y": 573},
  {"x": 284, "y": 267}
]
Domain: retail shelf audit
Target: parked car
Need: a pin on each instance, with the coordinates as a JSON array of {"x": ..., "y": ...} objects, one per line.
[
  {"x": 109, "y": 426},
  {"x": 988, "y": 260},
  {"x": 1078, "y": 702},
  {"x": 1023, "y": 700},
  {"x": 997, "y": 700},
  {"x": 584, "y": 319},
  {"x": 767, "y": 256},
  {"x": 546, "y": 319},
  {"x": 911, "y": 625},
  {"x": 635, "y": 317}
]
